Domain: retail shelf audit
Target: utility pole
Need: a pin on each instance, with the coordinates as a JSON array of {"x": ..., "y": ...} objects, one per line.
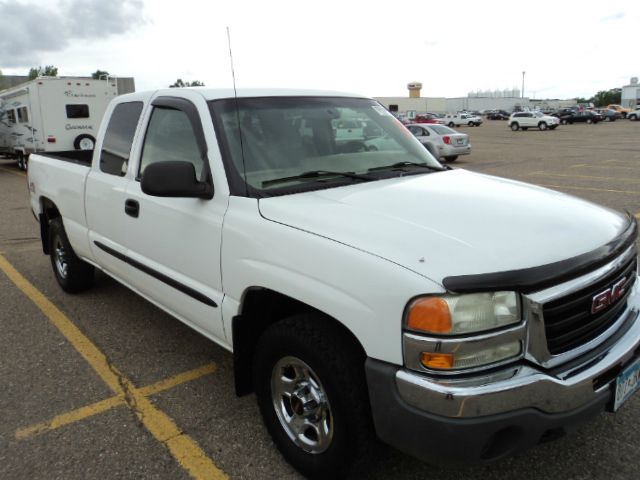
[{"x": 523, "y": 72}]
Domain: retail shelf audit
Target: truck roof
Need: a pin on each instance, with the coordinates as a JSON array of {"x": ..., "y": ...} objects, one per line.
[{"x": 221, "y": 93}]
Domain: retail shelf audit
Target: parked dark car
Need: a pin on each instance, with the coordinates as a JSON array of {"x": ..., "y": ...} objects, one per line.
[
  {"x": 609, "y": 115},
  {"x": 565, "y": 111},
  {"x": 586, "y": 116},
  {"x": 498, "y": 115}
]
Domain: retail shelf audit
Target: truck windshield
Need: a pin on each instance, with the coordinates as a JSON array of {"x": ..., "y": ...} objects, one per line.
[{"x": 275, "y": 142}]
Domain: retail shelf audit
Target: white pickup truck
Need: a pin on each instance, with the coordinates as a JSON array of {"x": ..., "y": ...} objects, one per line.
[
  {"x": 459, "y": 119},
  {"x": 364, "y": 294}
]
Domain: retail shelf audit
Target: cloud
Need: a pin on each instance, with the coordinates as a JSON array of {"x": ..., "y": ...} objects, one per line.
[
  {"x": 30, "y": 30},
  {"x": 613, "y": 18}
]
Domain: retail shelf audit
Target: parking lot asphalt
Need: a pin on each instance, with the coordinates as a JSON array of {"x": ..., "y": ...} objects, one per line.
[{"x": 104, "y": 384}]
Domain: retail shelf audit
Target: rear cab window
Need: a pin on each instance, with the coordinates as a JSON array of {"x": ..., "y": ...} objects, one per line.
[{"x": 118, "y": 139}]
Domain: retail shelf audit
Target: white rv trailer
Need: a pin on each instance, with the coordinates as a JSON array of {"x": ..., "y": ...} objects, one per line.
[{"x": 52, "y": 114}]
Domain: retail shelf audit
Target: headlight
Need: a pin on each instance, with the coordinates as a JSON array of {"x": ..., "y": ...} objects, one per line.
[{"x": 462, "y": 314}]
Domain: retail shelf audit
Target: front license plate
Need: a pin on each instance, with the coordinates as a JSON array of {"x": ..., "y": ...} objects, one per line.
[{"x": 626, "y": 384}]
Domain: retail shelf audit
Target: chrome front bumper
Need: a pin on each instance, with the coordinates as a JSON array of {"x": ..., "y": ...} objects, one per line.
[{"x": 556, "y": 389}]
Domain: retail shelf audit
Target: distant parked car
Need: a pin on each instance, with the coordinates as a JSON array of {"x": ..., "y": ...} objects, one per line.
[
  {"x": 428, "y": 118},
  {"x": 565, "y": 111},
  {"x": 585, "y": 116},
  {"x": 348, "y": 130},
  {"x": 634, "y": 114},
  {"x": 498, "y": 115},
  {"x": 441, "y": 141},
  {"x": 619, "y": 108},
  {"x": 526, "y": 120},
  {"x": 609, "y": 115},
  {"x": 462, "y": 119}
]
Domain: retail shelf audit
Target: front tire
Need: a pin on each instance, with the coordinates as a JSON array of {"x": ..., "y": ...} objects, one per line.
[
  {"x": 589, "y": 121},
  {"x": 515, "y": 127},
  {"x": 72, "y": 274},
  {"x": 542, "y": 126},
  {"x": 451, "y": 158},
  {"x": 310, "y": 385},
  {"x": 633, "y": 118}
]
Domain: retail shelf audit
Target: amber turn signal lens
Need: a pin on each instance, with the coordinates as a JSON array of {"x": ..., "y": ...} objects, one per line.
[
  {"x": 441, "y": 361},
  {"x": 430, "y": 315}
]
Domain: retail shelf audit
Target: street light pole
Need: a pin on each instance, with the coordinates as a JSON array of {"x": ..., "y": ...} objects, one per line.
[{"x": 523, "y": 72}]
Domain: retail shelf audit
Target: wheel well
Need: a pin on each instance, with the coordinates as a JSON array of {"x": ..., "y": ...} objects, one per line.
[
  {"x": 49, "y": 211},
  {"x": 262, "y": 307}
]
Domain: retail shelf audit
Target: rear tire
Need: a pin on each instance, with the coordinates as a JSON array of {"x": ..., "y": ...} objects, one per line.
[
  {"x": 309, "y": 376},
  {"x": 633, "y": 118},
  {"x": 451, "y": 158},
  {"x": 73, "y": 274},
  {"x": 451, "y": 125},
  {"x": 84, "y": 142}
]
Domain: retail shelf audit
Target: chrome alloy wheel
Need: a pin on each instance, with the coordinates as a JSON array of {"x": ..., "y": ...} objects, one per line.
[
  {"x": 301, "y": 405},
  {"x": 60, "y": 256}
]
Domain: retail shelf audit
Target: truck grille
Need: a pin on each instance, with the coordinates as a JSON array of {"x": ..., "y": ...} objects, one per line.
[{"x": 569, "y": 322}]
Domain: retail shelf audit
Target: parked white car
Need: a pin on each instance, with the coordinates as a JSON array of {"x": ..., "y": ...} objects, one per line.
[
  {"x": 441, "y": 141},
  {"x": 462, "y": 119},
  {"x": 634, "y": 114},
  {"x": 526, "y": 120}
]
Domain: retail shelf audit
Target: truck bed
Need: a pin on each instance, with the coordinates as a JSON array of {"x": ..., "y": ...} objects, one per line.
[{"x": 82, "y": 157}]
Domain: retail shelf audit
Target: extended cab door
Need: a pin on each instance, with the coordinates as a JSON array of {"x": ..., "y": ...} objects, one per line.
[
  {"x": 174, "y": 243},
  {"x": 105, "y": 200}
]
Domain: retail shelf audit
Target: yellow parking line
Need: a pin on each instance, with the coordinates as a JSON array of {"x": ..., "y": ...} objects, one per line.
[
  {"x": 20, "y": 174},
  {"x": 177, "y": 380},
  {"x": 184, "y": 449},
  {"x": 560, "y": 187},
  {"x": 70, "y": 417},
  {"x": 104, "y": 405},
  {"x": 589, "y": 177}
]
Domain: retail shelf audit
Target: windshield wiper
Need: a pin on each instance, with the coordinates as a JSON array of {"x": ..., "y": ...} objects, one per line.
[
  {"x": 407, "y": 164},
  {"x": 315, "y": 174}
]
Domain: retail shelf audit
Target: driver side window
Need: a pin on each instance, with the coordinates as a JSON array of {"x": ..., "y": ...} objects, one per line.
[{"x": 170, "y": 136}]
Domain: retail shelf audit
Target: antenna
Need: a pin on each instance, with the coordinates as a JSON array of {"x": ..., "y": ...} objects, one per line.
[{"x": 235, "y": 94}]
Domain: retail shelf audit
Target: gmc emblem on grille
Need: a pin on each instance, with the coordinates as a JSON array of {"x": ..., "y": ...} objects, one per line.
[{"x": 610, "y": 296}]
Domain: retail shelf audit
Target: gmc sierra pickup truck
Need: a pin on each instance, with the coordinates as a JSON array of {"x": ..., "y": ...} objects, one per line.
[{"x": 364, "y": 294}]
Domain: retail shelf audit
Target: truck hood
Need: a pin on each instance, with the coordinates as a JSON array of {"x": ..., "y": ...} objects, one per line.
[{"x": 451, "y": 223}]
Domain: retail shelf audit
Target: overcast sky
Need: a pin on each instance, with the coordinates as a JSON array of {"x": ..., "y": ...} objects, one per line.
[{"x": 375, "y": 48}]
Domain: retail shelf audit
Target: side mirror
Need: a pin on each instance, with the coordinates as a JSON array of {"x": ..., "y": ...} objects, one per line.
[{"x": 174, "y": 179}]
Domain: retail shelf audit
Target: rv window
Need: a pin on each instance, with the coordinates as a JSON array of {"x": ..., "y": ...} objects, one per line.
[
  {"x": 77, "y": 111},
  {"x": 12, "y": 115},
  {"x": 116, "y": 146},
  {"x": 23, "y": 115}
]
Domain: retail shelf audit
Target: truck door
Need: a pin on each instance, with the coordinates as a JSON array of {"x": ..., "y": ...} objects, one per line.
[
  {"x": 106, "y": 187},
  {"x": 174, "y": 243}
]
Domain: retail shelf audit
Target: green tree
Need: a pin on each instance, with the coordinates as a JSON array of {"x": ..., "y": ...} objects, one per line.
[
  {"x": 98, "y": 74},
  {"x": 47, "y": 71},
  {"x": 180, "y": 84},
  {"x": 607, "y": 97}
]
